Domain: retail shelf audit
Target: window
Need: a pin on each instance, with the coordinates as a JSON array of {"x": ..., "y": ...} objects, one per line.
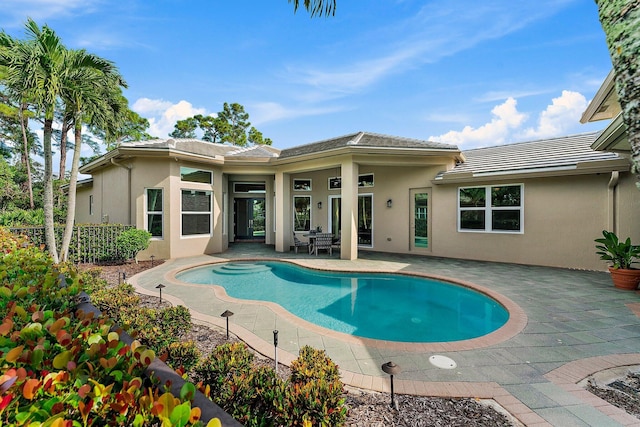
[
  {"x": 154, "y": 212},
  {"x": 302, "y": 213},
  {"x": 491, "y": 209},
  {"x": 365, "y": 220},
  {"x": 195, "y": 175},
  {"x": 90, "y": 204},
  {"x": 301, "y": 185},
  {"x": 365, "y": 180},
  {"x": 335, "y": 183},
  {"x": 249, "y": 187},
  {"x": 196, "y": 212}
]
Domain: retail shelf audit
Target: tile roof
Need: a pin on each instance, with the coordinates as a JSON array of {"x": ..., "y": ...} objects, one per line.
[
  {"x": 364, "y": 139},
  {"x": 254, "y": 151},
  {"x": 188, "y": 145},
  {"x": 556, "y": 153}
]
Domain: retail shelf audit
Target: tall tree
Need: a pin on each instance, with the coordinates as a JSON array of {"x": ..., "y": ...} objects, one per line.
[
  {"x": 238, "y": 123},
  {"x": 123, "y": 125},
  {"x": 255, "y": 137},
  {"x": 185, "y": 128},
  {"x": 8, "y": 48},
  {"x": 620, "y": 21},
  {"x": 34, "y": 68},
  {"x": 91, "y": 86}
]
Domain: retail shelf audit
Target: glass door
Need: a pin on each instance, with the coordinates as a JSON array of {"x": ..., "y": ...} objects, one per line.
[
  {"x": 250, "y": 219},
  {"x": 419, "y": 219}
]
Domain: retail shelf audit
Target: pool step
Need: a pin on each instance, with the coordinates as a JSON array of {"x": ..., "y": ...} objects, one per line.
[{"x": 240, "y": 268}]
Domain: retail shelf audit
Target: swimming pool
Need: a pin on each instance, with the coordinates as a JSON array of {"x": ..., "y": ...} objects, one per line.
[{"x": 392, "y": 307}]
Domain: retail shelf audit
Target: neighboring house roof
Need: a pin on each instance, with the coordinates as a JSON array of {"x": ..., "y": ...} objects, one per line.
[
  {"x": 365, "y": 140},
  {"x": 548, "y": 157}
]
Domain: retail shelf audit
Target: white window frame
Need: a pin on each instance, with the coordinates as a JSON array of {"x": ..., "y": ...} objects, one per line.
[
  {"x": 148, "y": 212},
  {"x": 488, "y": 210},
  {"x": 210, "y": 172},
  {"x": 210, "y": 213}
]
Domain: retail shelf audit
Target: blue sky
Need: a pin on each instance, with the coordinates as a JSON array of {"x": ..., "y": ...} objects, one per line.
[{"x": 462, "y": 71}]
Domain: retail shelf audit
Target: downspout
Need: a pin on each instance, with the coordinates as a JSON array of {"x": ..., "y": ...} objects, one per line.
[
  {"x": 128, "y": 168},
  {"x": 611, "y": 201}
]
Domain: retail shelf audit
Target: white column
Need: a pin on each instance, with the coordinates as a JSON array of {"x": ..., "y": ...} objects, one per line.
[
  {"x": 283, "y": 212},
  {"x": 349, "y": 207}
]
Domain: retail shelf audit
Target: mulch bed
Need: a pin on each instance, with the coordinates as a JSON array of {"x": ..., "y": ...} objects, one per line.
[{"x": 366, "y": 408}]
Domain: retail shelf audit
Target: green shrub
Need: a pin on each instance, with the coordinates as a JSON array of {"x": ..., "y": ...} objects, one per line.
[
  {"x": 183, "y": 354},
  {"x": 225, "y": 360},
  {"x": 132, "y": 241},
  {"x": 316, "y": 393},
  {"x": 255, "y": 396},
  {"x": 156, "y": 328},
  {"x": 113, "y": 301}
]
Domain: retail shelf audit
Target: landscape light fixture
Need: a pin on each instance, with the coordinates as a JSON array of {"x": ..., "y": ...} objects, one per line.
[
  {"x": 275, "y": 349},
  {"x": 389, "y": 203},
  {"x": 160, "y": 287},
  {"x": 391, "y": 369},
  {"x": 152, "y": 257},
  {"x": 226, "y": 315}
]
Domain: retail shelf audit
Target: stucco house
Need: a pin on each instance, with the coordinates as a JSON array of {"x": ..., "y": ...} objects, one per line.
[{"x": 540, "y": 202}]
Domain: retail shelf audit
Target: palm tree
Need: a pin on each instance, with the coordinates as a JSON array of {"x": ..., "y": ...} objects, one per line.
[
  {"x": 34, "y": 69},
  {"x": 316, "y": 7},
  {"x": 8, "y": 47},
  {"x": 91, "y": 87},
  {"x": 621, "y": 24}
]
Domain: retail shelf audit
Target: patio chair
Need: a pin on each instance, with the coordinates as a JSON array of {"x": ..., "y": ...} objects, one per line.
[
  {"x": 336, "y": 243},
  {"x": 297, "y": 243},
  {"x": 323, "y": 241}
]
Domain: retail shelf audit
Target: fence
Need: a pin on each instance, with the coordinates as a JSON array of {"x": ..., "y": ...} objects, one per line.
[{"x": 89, "y": 243}]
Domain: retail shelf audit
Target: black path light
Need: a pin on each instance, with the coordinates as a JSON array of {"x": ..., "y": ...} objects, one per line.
[
  {"x": 275, "y": 349},
  {"x": 226, "y": 315},
  {"x": 391, "y": 369},
  {"x": 160, "y": 287},
  {"x": 152, "y": 258}
]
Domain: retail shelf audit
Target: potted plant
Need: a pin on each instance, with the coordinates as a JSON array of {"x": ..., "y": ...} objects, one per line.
[{"x": 621, "y": 254}]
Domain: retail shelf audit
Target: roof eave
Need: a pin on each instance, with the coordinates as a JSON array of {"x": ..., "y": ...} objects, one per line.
[
  {"x": 582, "y": 168},
  {"x": 613, "y": 137}
]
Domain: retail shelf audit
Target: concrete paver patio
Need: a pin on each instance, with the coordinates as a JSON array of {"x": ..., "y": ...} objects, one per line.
[{"x": 571, "y": 324}]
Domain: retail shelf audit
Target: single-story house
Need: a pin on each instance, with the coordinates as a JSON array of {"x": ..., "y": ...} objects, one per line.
[{"x": 540, "y": 202}]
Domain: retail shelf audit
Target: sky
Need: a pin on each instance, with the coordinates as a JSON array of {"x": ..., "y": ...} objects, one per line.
[{"x": 463, "y": 72}]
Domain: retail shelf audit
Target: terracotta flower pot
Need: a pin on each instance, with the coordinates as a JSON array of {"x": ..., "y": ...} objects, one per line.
[{"x": 625, "y": 279}]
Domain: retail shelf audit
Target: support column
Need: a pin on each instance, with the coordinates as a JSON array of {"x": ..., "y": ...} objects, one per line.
[
  {"x": 349, "y": 207},
  {"x": 283, "y": 212}
]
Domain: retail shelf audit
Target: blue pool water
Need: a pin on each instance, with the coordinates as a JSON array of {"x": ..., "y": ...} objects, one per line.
[{"x": 390, "y": 307}]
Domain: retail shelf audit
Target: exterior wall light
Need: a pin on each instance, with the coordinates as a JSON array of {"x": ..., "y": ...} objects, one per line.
[
  {"x": 389, "y": 203},
  {"x": 319, "y": 205}
]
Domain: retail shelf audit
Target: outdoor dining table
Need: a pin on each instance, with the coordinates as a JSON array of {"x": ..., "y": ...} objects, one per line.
[{"x": 312, "y": 239}]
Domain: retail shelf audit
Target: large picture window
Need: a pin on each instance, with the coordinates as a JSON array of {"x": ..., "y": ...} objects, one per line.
[
  {"x": 497, "y": 208},
  {"x": 196, "y": 212},
  {"x": 301, "y": 213},
  {"x": 154, "y": 212}
]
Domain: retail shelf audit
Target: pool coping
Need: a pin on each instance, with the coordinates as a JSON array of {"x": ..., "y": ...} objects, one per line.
[{"x": 515, "y": 324}]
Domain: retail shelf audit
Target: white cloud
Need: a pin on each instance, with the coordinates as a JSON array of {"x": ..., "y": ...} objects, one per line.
[
  {"x": 506, "y": 118},
  {"x": 563, "y": 114},
  {"x": 163, "y": 115},
  {"x": 41, "y": 10},
  {"x": 266, "y": 112}
]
